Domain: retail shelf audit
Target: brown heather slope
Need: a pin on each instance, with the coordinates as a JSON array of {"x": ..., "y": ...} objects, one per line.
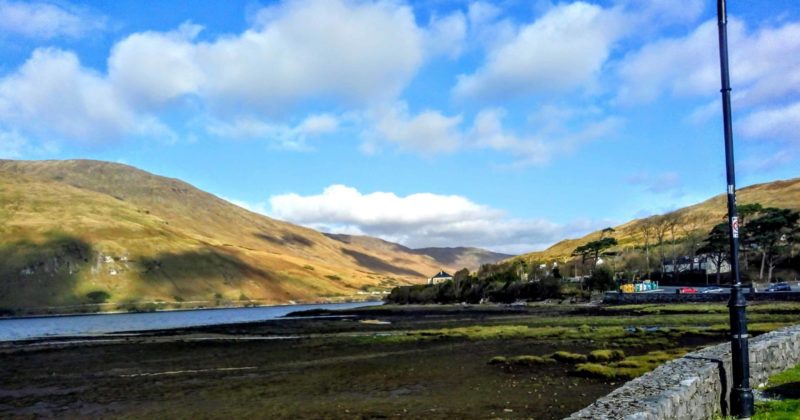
[
  {"x": 783, "y": 194},
  {"x": 68, "y": 228}
]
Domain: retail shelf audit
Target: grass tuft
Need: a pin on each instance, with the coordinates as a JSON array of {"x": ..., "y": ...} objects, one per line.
[
  {"x": 595, "y": 370},
  {"x": 604, "y": 356},
  {"x": 568, "y": 357}
]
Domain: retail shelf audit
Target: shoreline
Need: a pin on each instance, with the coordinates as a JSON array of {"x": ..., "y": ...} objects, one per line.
[{"x": 167, "y": 310}]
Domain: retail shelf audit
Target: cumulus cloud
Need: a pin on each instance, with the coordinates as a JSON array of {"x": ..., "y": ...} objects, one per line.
[
  {"x": 52, "y": 94},
  {"x": 152, "y": 68},
  {"x": 41, "y": 20},
  {"x": 419, "y": 220},
  {"x": 279, "y": 135},
  {"x": 353, "y": 52},
  {"x": 430, "y": 132},
  {"x": 764, "y": 65},
  {"x": 775, "y": 123},
  {"x": 562, "y": 50},
  {"x": 427, "y": 132}
]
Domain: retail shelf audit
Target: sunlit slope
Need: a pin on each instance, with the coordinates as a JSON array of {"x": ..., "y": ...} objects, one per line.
[
  {"x": 784, "y": 194},
  {"x": 69, "y": 228}
]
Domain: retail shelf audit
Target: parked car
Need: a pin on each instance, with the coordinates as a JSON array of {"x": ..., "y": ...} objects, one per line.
[
  {"x": 684, "y": 290},
  {"x": 779, "y": 287},
  {"x": 712, "y": 290}
]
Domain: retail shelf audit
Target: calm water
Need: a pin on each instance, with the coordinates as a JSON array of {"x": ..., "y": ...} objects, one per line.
[{"x": 77, "y": 325}]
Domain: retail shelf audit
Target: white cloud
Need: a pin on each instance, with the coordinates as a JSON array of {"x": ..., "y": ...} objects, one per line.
[
  {"x": 562, "y": 50},
  {"x": 427, "y": 132},
  {"x": 52, "y": 94},
  {"x": 419, "y": 220},
  {"x": 279, "y": 135},
  {"x": 430, "y": 132},
  {"x": 319, "y": 124},
  {"x": 41, "y": 20},
  {"x": 764, "y": 65},
  {"x": 488, "y": 132},
  {"x": 327, "y": 52},
  {"x": 447, "y": 35},
  {"x": 778, "y": 123},
  {"x": 152, "y": 68},
  {"x": 351, "y": 52}
]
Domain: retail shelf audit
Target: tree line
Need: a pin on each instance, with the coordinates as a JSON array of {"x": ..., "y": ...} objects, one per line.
[{"x": 769, "y": 242}]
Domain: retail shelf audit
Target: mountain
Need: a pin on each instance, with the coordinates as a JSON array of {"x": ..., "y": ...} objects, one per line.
[
  {"x": 455, "y": 257},
  {"x": 80, "y": 231},
  {"x": 465, "y": 257},
  {"x": 702, "y": 217}
]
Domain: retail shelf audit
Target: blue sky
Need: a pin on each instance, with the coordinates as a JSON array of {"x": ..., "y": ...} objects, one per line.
[{"x": 508, "y": 125}]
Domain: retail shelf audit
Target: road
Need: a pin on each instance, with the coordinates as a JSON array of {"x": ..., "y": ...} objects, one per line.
[{"x": 672, "y": 289}]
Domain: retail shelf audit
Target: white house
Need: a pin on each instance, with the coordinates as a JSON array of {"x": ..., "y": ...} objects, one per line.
[{"x": 440, "y": 277}]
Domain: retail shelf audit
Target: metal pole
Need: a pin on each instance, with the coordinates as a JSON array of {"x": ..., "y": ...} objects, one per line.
[{"x": 741, "y": 394}]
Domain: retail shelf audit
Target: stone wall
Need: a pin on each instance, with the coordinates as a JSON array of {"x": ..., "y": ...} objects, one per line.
[
  {"x": 614, "y": 298},
  {"x": 696, "y": 386}
]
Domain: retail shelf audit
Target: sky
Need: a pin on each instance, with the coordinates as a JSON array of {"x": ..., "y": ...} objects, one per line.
[{"x": 508, "y": 125}]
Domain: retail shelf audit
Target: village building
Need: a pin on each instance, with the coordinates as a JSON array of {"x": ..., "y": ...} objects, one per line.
[
  {"x": 440, "y": 277},
  {"x": 700, "y": 263}
]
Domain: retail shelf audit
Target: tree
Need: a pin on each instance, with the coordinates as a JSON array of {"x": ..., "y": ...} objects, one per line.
[
  {"x": 661, "y": 225},
  {"x": 690, "y": 227},
  {"x": 646, "y": 228},
  {"x": 769, "y": 233},
  {"x": 460, "y": 278},
  {"x": 745, "y": 212},
  {"x": 594, "y": 249},
  {"x": 601, "y": 279},
  {"x": 717, "y": 245}
]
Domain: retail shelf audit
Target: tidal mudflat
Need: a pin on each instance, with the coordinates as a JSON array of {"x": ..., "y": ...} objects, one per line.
[{"x": 415, "y": 361}]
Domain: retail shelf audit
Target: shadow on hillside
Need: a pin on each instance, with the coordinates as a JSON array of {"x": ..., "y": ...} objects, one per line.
[
  {"x": 377, "y": 264},
  {"x": 446, "y": 257},
  {"x": 43, "y": 273},
  {"x": 287, "y": 239},
  {"x": 203, "y": 264},
  {"x": 338, "y": 237}
]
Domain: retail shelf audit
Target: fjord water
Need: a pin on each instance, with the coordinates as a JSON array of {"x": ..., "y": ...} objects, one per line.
[{"x": 86, "y": 325}]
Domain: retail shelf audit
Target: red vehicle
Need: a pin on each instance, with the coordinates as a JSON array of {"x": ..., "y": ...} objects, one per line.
[{"x": 683, "y": 290}]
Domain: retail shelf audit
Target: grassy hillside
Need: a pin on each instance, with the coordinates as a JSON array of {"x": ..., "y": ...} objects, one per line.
[
  {"x": 702, "y": 216},
  {"x": 70, "y": 228}
]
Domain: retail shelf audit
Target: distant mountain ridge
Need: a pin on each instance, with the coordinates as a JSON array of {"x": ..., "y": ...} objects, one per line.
[
  {"x": 79, "y": 231},
  {"x": 453, "y": 257}
]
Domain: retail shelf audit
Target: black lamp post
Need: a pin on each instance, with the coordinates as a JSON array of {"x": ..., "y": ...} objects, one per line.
[{"x": 741, "y": 394}]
